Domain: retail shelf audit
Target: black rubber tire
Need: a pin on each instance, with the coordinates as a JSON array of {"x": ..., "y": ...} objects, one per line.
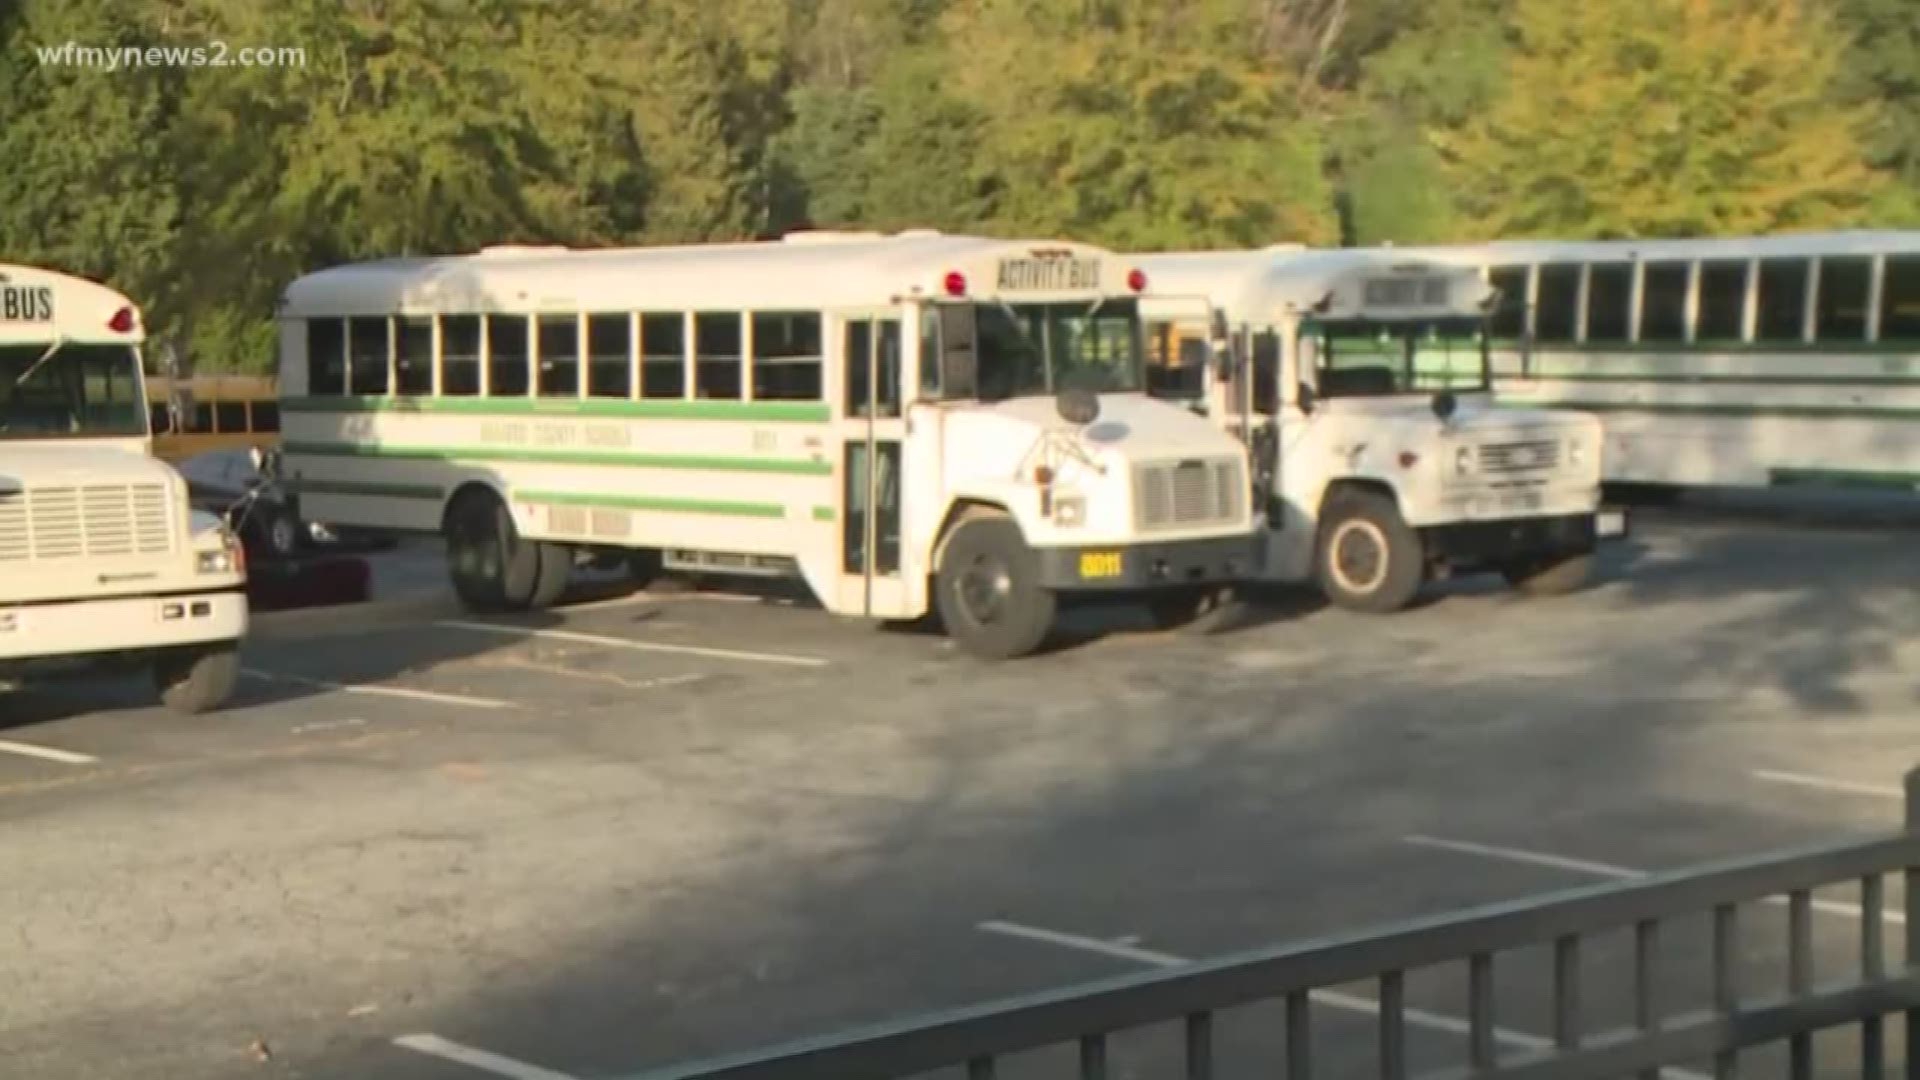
[
  {"x": 556, "y": 569},
  {"x": 195, "y": 679},
  {"x": 644, "y": 567},
  {"x": 1556, "y": 577},
  {"x": 1346, "y": 577},
  {"x": 492, "y": 568},
  {"x": 1199, "y": 610},
  {"x": 988, "y": 591},
  {"x": 279, "y": 532}
]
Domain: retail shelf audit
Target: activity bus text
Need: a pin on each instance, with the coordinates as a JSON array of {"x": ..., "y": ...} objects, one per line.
[
  {"x": 1741, "y": 362},
  {"x": 907, "y": 422},
  {"x": 101, "y": 559},
  {"x": 1360, "y": 382}
]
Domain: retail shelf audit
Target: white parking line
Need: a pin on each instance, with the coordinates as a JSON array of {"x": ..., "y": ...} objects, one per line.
[
  {"x": 385, "y": 691},
  {"x": 1827, "y": 783},
  {"x": 484, "y": 1060},
  {"x": 46, "y": 753},
  {"x": 1332, "y": 999},
  {"x": 629, "y": 643},
  {"x": 1608, "y": 870}
]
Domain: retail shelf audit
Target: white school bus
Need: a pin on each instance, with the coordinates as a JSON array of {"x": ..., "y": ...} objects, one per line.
[
  {"x": 1361, "y": 382},
  {"x": 906, "y": 422},
  {"x": 100, "y": 557}
]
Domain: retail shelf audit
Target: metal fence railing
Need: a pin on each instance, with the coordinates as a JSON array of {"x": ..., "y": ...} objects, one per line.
[{"x": 1741, "y": 1018}]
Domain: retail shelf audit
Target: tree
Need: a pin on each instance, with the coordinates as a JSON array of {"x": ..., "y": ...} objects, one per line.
[
  {"x": 1882, "y": 73},
  {"x": 1625, "y": 118}
]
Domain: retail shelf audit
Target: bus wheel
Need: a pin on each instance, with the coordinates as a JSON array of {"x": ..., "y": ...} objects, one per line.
[
  {"x": 1200, "y": 610},
  {"x": 644, "y": 566},
  {"x": 988, "y": 591},
  {"x": 1550, "y": 578},
  {"x": 493, "y": 569},
  {"x": 550, "y": 582},
  {"x": 1367, "y": 559},
  {"x": 194, "y": 679}
]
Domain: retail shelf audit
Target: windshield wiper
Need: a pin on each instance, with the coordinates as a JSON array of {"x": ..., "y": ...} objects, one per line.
[{"x": 44, "y": 357}]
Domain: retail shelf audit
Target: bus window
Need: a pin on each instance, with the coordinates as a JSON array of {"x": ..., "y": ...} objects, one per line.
[
  {"x": 1663, "y": 302},
  {"x": 663, "y": 355},
  {"x": 1509, "y": 321},
  {"x": 1783, "y": 301},
  {"x": 610, "y": 355},
  {"x": 413, "y": 355},
  {"x": 1840, "y": 311},
  {"x": 158, "y": 422},
  {"x": 786, "y": 356},
  {"x": 368, "y": 348},
  {"x": 459, "y": 355},
  {"x": 930, "y": 354},
  {"x": 230, "y": 417},
  {"x": 1900, "y": 299},
  {"x": 266, "y": 417},
  {"x": 1609, "y": 302},
  {"x": 1266, "y": 372},
  {"x": 200, "y": 419},
  {"x": 507, "y": 356},
  {"x": 326, "y": 356},
  {"x": 1559, "y": 303},
  {"x": 1723, "y": 302},
  {"x": 716, "y": 348},
  {"x": 559, "y": 356}
]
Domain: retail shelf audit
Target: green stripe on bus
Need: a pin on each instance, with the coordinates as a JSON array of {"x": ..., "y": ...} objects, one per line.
[
  {"x": 1835, "y": 348},
  {"x": 370, "y": 490},
  {"x": 648, "y": 502},
  {"x": 823, "y": 513},
  {"x": 1897, "y": 481},
  {"x": 1715, "y": 379},
  {"x": 1791, "y": 412},
  {"x": 792, "y": 466},
  {"x": 784, "y": 411}
]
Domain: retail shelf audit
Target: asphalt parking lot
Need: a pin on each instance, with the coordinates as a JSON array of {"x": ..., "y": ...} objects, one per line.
[{"x": 642, "y": 828}]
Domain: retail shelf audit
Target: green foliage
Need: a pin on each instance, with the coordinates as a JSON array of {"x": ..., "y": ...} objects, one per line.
[{"x": 444, "y": 125}]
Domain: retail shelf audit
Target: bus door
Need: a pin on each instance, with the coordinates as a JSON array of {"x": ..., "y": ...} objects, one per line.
[{"x": 872, "y": 440}]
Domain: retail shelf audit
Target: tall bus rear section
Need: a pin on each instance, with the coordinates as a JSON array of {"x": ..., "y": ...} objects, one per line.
[
  {"x": 1360, "y": 381},
  {"x": 910, "y": 423},
  {"x": 102, "y": 560}
]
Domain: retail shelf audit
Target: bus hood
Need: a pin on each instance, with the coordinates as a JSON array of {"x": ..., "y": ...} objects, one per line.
[
  {"x": 61, "y": 464},
  {"x": 1132, "y": 426},
  {"x": 1473, "y": 415}
]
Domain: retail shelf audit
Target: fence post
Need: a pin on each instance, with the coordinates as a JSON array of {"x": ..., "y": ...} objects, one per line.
[{"x": 1912, "y": 883}]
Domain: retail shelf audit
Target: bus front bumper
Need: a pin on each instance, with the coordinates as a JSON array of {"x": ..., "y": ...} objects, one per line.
[
  {"x": 1485, "y": 543},
  {"x": 120, "y": 624},
  {"x": 1133, "y": 567}
]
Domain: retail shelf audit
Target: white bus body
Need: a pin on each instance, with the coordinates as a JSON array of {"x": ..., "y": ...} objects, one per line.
[
  {"x": 100, "y": 557},
  {"x": 742, "y": 407},
  {"x": 1360, "y": 385},
  {"x": 1743, "y": 362}
]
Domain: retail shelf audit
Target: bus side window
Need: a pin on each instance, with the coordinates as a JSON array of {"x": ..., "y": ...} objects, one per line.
[
  {"x": 1900, "y": 299},
  {"x": 930, "y": 388},
  {"x": 230, "y": 417},
  {"x": 1723, "y": 302},
  {"x": 610, "y": 356},
  {"x": 1782, "y": 301},
  {"x": 786, "y": 356},
  {"x": 157, "y": 419},
  {"x": 369, "y": 346},
  {"x": 459, "y": 355},
  {"x": 559, "y": 356},
  {"x": 716, "y": 343},
  {"x": 326, "y": 357},
  {"x": 1509, "y": 322},
  {"x": 1840, "y": 313},
  {"x": 1559, "y": 306},
  {"x": 663, "y": 355},
  {"x": 1663, "y": 302},
  {"x": 507, "y": 356},
  {"x": 266, "y": 416},
  {"x": 200, "y": 420},
  {"x": 413, "y": 355},
  {"x": 1609, "y": 301},
  {"x": 1266, "y": 372}
]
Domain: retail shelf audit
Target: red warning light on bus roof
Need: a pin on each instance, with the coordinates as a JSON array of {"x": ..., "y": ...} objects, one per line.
[
  {"x": 122, "y": 321},
  {"x": 955, "y": 283}
]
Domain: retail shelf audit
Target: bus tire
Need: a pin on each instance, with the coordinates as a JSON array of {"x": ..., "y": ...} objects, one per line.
[
  {"x": 493, "y": 568},
  {"x": 1367, "y": 558},
  {"x": 1550, "y": 578},
  {"x": 1200, "y": 610},
  {"x": 988, "y": 591},
  {"x": 550, "y": 582},
  {"x": 195, "y": 679},
  {"x": 644, "y": 566}
]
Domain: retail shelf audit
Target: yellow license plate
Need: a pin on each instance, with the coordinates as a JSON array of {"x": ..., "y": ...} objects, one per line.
[{"x": 1100, "y": 564}]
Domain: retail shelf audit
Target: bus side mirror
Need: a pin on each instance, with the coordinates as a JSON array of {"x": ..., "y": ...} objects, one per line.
[{"x": 959, "y": 360}]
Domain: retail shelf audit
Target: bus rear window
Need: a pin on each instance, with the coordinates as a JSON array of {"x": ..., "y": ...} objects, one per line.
[{"x": 326, "y": 356}]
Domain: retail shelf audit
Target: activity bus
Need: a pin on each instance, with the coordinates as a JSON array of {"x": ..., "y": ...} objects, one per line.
[
  {"x": 906, "y": 422},
  {"x": 1747, "y": 362},
  {"x": 215, "y": 412},
  {"x": 101, "y": 559},
  {"x": 1360, "y": 382}
]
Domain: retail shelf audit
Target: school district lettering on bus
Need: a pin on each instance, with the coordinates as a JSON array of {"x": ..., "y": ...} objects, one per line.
[{"x": 213, "y": 54}]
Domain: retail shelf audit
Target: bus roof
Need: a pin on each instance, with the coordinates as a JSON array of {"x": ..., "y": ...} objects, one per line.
[
  {"x": 1256, "y": 286},
  {"x": 801, "y": 271},
  {"x": 1785, "y": 245},
  {"x": 41, "y": 306}
]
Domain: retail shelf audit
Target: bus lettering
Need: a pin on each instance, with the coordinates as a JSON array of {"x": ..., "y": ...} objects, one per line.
[
  {"x": 23, "y": 303},
  {"x": 1048, "y": 274},
  {"x": 503, "y": 434}
]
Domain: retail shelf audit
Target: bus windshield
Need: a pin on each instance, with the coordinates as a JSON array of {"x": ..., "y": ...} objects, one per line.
[
  {"x": 76, "y": 391},
  {"x": 1027, "y": 349},
  {"x": 1361, "y": 358}
]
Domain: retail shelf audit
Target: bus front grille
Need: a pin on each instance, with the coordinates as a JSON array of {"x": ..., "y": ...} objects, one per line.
[
  {"x": 1170, "y": 495},
  {"x": 92, "y": 521},
  {"x": 1529, "y": 456}
]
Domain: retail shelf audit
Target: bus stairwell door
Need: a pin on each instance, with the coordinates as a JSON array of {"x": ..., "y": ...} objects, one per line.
[{"x": 871, "y": 445}]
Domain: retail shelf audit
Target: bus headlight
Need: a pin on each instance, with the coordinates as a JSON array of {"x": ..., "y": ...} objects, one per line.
[
  {"x": 1069, "y": 511},
  {"x": 217, "y": 562},
  {"x": 1463, "y": 461},
  {"x": 1576, "y": 453}
]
